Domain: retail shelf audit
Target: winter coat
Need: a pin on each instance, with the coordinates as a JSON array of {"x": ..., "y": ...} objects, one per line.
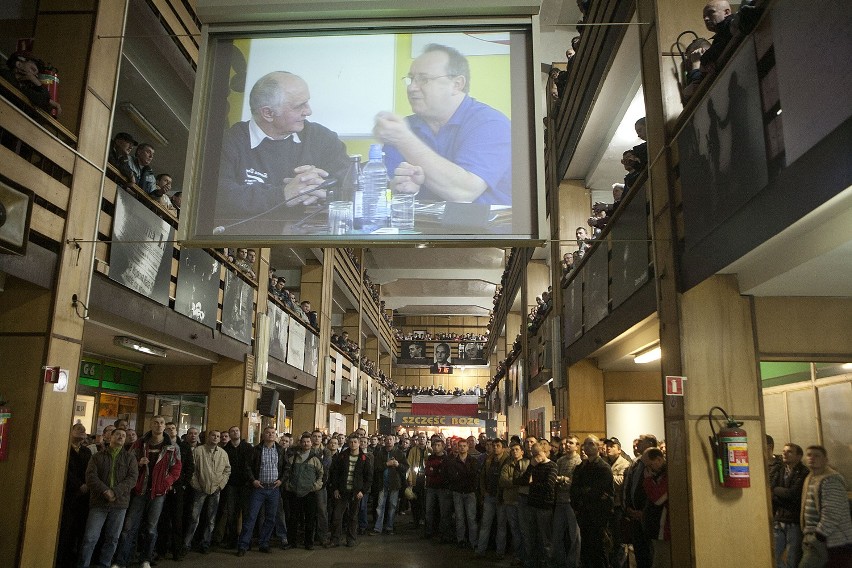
[
  {"x": 97, "y": 479},
  {"x": 166, "y": 470}
]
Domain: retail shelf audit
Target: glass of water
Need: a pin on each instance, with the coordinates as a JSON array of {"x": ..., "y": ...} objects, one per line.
[{"x": 340, "y": 218}]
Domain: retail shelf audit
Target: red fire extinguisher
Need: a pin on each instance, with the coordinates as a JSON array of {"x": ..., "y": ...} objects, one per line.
[
  {"x": 49, "y": 77},
  {"x": 5, "y": 418},
  {"x": 730, "y": 446}
]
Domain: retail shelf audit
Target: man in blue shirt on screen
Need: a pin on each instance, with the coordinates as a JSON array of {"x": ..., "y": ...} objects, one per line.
[{"x": 453, "y": 148}]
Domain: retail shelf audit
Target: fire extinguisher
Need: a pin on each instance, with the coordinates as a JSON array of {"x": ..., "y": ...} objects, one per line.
[
  {"x": 5, "y": 418},
  {"x": 49, "y": 77},
  {"x": 730, "y": 448}
]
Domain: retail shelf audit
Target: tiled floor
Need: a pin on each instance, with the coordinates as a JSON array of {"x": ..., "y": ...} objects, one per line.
[{"x": 405, "y": 549}]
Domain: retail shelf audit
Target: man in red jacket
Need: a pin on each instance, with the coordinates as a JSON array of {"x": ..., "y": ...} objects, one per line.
[{"x": 159, "y": 467}]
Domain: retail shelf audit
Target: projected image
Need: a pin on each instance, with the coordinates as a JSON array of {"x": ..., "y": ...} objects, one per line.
[{"x": 347, "y": 136}]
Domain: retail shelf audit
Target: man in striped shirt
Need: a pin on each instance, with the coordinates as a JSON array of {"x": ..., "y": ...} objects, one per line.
[{"x": 825, "y": 521}]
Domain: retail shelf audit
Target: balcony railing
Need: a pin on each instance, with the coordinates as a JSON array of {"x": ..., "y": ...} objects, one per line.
[
  {"x": 743, "y": 171},
  {"x": 613, "y": 277}
]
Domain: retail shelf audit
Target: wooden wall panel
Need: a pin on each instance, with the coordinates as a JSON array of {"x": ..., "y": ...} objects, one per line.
[
  {"x": 812, "y": 327},
  {"x": 174, "y": 378},
  {"x": 586, "y": 403},
  {"x": 29, "y": 176},
  {"x": 39, "y": 139},
  {"x": 626, "y": 386}
]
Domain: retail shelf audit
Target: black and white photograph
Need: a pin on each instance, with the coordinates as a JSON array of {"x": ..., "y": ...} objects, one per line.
[
  {"x": 237, "y": 308},
  {"x": 279, "y": 322},
  {"x": 140, "y": 255},
  {"x": 414, "y": 352},
  {"x": 311, "y": 354},
  {"x": 197, "y": 294},
  {"x": 296, "y": 344},
  {"x": 472, "y": 353}
]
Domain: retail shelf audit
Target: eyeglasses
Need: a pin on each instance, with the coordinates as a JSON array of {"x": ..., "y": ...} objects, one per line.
[{"x": 421, "y": 80}]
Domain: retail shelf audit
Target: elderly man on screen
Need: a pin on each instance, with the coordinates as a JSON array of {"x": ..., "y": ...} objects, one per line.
[
  {"x": 453, "y": 148},
  {"x": 276, "y": 161}
]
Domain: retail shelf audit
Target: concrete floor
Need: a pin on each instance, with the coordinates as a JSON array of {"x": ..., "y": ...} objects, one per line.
[{"x": 405, "y": 549}]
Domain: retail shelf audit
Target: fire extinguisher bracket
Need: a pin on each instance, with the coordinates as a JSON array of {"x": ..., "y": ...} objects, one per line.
[{"x": 730, "y": 450}]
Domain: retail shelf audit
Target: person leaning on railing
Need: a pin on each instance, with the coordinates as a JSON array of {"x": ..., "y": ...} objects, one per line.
[{"x": 22, "y": 71}]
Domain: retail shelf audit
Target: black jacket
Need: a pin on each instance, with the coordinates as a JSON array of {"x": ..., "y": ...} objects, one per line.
[
  {"x": 592, "y": 492},
  {"x": 238, "y": 457},
  {"x": 187, "y": 467},
  {"x": 462, "y": 477},
  {"x": 787, "y": 494},
  {"x": 396, "y": 476},
  {"x": 363, "y": 475},
  {"x": 252, "y": 468}
]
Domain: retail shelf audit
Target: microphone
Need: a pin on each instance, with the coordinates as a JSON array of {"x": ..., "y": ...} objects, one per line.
[{"x": 329, "y": 182}]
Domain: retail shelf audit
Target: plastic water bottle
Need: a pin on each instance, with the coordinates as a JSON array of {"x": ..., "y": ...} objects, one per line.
[{"x": 374, "y": 181}]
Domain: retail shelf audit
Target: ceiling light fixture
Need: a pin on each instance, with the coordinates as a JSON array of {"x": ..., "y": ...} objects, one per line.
[
  {"x": 137, "y": 345},
  {"x": 648, "y": 355},
  {"x": 139, "y": 120}
]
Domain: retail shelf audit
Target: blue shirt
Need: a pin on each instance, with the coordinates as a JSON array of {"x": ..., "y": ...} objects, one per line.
[
  {"x": 477, "y": 138},
  {"x": 268, "y": 465}
]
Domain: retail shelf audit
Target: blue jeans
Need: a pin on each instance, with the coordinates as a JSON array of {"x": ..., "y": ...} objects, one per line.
[
  {"x": 513, "y": 517},
  {"x": 362, "y": 511},
  {"x": 322, "y": 515},
  {"x": 281, "y": 521},
  {"x": 198, "y": 500},
  {"x": 444, "y": 501},
  {"x": 465, "y": 508},
  {"x": 388, "y": 498},
  {"x": 268, "y": 498},
  {"x": 110, "y": 522},
  {"x": 140, "y": 505},
  {"x": 566, "y": 537},
  {"x": 789, "y": 536},
  {"x": 491, "y": 508}
]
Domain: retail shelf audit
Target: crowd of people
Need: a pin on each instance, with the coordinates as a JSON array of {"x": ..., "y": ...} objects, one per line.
[
  {"x": 436, "y": 390},
  {"x": 498, "y": 292},
  {"x": 166, "y": 496},
  {"x": 302, "y": 310},
  {"x": 811, "y": 521},
  {"x": 560, "y": 502},
  {"x": 503, "y": 366},
  {"x": 134, "y": 162},
  {"x": 635, "y": 161},
  {"x": 539, "y": 311},
  {"x": 442, "y": 336}
]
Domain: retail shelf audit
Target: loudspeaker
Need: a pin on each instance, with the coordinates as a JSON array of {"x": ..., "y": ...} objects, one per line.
[
  {"x": 16, "y": 207},
  {"x": 267, "y": 404},
  {"x": 552, "y": 394}
]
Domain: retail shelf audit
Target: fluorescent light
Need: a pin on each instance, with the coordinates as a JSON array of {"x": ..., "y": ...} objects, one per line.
[
  {"x": 139, "y": 120},
  {"x": 847, "y": 366},
  {"x": 137, "y": 345},
  {"x": 648, "y": 355}
]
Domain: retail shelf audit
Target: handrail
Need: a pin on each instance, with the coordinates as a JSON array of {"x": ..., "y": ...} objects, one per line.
[
  {"x": 38, "y": 116},
  {"x": 597, "y": 243}
]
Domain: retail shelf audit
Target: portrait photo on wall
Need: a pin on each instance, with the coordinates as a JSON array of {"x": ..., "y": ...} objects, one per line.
[
  {"x": 197, "y": 292},
  {"x": 442, "y": 365},
  {"x": 472, "y": 353},
  {"x": 414, "y": 351}
]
